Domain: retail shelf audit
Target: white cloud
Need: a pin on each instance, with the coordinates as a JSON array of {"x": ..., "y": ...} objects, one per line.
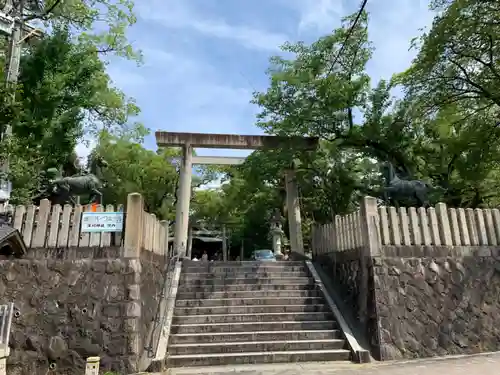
[
  {"x": 318, "y": 15},
  {"x": 177, "y": 14},
  {"x": 179, "y": 91},
  {"x": 391, "y": 29}
]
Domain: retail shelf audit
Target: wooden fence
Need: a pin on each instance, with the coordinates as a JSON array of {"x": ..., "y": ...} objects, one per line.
[
  {"x": 438, "y": 226},
  {"x": 55, "y": 226}
]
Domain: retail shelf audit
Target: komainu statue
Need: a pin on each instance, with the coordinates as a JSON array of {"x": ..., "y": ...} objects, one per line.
[
  {"x": 398, "y": 190},
  {"x": 63, "y": 190}
]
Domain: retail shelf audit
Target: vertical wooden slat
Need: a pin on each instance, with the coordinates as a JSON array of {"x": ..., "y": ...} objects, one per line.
[
  {"x": 496, "y": 222},
  {"x": 462, "y": 225},
  {"x": 161, "y": 243},
  {"x": 106, "y": 237},
  {"x": 62, "y": 240},
  {"x": 54, "y": 225},
  {"x": 74, "y": 234},
  {"x": 338, "y": 240},
  {"x": 405, "y": 226},
  {"x": 471, "y": 226},
  {"x": 434, "y": 226},
  {"x": 424, "y": 226},
  {"x": 454, "y": 227},
  {"x": 394, "y": 227},
  {"x": 384, "y": 226},
  {"x": 490, "y": 227},
  {"x": 95, "y": 237},
  {"x": 152, "y": 219},
  {"x": 28, "y": 225},
  {"x": 348, "y": 231},
  {"x": 19, "y": 217},
  {"x": 42, "y": 223},
  {"x": 345, "y": 240},
  {"x": 157, "y": 236},
  {"x": 119, "y": 235},
  {"x": 481, "y": 227},
  {"x": 416, "y": 237},
  {"x": 85, "y": 237},
  {"x": 444, "y": 224}
]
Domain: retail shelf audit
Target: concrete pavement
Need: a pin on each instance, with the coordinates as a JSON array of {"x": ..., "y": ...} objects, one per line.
[{"x": 484, "y": 364}]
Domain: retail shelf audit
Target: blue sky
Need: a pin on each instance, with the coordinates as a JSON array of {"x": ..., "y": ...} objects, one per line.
[{"x": 203, "y": 58}]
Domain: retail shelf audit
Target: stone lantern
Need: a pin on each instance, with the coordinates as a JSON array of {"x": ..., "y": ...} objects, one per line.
[{"x": 277, "y": 231}]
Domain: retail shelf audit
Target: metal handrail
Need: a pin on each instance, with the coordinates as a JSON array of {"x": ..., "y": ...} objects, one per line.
[
  {"x": 6, "y": 312},
  {"x": 159, "y": 320}
]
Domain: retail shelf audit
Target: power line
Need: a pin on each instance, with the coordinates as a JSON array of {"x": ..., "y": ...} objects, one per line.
[{"x": 348, "y": 35}]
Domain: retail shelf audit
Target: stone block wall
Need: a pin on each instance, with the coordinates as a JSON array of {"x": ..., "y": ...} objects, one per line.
[
  {"x": 437, "y": 300},
  {"x": 152, "y": 285},
  {"x": 76, "y": 305},
  {"x": 345, "y": 269}
]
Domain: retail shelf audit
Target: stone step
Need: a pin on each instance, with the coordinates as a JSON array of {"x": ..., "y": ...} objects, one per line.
[
  {"x": 225, "y": 337},
  {"x": 268, "y": 267},
  {"x": 256, "y": 309},
  {"x": 254, "y": 326},
  {"x": 242, "y": 275},
  {"x": 242, "y": 264},
  {"x": 255, "y": 346},
  {"x": 248, "y": 281},
  {"x": 258, "y": 357},
  {"x": 249, "y": 301},
  {"x": 248, "y": 293},
  {"x": 234, "y": 318},
  {"x": 309, "y": 285}
]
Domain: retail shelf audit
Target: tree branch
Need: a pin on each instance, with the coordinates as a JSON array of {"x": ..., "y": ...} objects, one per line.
[{"x": 45, "y": 13}]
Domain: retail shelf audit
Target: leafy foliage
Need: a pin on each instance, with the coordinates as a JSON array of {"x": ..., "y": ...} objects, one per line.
[{"x": 444, "y": 130}]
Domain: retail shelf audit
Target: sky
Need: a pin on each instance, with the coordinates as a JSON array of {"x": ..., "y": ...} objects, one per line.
[{"x": 204, "y": 58}]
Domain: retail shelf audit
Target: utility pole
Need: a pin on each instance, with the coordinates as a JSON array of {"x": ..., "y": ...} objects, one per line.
[{"x": 12, "y": 26}]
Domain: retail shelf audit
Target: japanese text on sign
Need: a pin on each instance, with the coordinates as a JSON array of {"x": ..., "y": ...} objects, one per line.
[{"x": 102, "y": 222}]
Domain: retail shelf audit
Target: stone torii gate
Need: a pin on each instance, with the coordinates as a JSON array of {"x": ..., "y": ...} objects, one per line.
[{"x": 188, "y": 141}]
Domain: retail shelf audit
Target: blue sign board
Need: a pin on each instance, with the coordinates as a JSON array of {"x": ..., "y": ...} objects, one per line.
[{"x": 102, "y": 222}]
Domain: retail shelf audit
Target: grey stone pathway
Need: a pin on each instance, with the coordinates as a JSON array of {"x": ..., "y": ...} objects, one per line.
[{"x": 484, "y": 364}]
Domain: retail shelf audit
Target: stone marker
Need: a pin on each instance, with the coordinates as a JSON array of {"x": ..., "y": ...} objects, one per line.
[{"x": 92, "y": 367}]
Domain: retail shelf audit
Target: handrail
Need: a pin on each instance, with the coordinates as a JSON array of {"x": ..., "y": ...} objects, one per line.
[
  {"x": 6, "y": 312},
  {"x": 160, "y": 317}
]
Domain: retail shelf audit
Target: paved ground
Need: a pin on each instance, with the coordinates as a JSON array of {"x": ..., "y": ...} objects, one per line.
[{"x": 483, "y": 364}]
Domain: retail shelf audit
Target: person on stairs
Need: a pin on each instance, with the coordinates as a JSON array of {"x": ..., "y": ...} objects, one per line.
[{"x": 204, "y": 257}]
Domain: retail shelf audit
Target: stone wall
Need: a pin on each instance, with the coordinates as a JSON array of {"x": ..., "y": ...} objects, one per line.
[
  {"x": 437, "y": 300},
  {"x": 152, "y": 284},
  {"x": 345, "y": 270},
  {"x": 68, "y": 309}
]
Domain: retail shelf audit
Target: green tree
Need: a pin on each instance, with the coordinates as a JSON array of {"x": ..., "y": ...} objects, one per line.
[
  {"x": 99, "y": 24},
  {"x": 133, "y": 168},
  {"x": 63, "y": 93}
]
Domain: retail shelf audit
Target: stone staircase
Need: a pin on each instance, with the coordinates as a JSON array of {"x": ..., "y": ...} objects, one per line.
[{"x": 251, "y": 312}]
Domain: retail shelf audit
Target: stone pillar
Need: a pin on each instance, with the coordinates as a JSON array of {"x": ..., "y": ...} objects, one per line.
[
  {"x": 370, "y": 229},
  {"x": 164, "y": 240},
  {"x": 293, "y": 209},
  {"x": 224, "y": 243},
  {"x": 134, "y": 226},
  {"x": 190, "y": 242},
  {"x": 92, "y": 366},
  {"x": 183, "y": 201}
]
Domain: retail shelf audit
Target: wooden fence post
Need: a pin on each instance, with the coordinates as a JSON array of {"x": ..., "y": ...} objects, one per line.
[{"x": 133, "y": 226}]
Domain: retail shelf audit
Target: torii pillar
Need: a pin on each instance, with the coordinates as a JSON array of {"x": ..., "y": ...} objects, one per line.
[
  {"x": 188, "y": 141},
  {"x": 293, "y": 211}
]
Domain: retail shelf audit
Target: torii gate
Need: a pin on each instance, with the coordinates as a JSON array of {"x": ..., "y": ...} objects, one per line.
[{"x": 188, "y": 141}]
